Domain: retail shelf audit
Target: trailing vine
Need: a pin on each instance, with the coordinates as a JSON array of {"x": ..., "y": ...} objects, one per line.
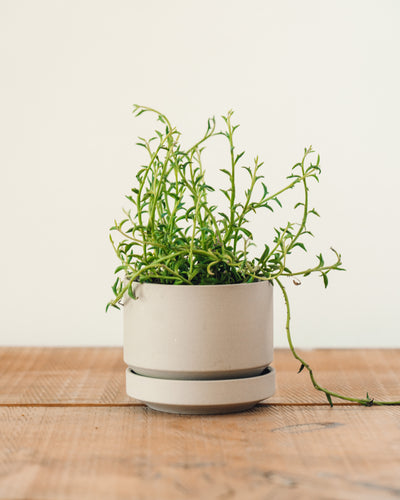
[{"x": 174, "y": 234}]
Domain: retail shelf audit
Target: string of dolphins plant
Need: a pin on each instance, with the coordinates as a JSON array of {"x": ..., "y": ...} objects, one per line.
[{"x": 174, "y": 234}]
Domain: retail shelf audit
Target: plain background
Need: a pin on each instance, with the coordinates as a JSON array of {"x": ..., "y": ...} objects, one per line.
[{"x": 296, "y": 73}]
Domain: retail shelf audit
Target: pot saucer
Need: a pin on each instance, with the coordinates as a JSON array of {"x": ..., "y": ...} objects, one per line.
[{"x": 200, "y": 397}]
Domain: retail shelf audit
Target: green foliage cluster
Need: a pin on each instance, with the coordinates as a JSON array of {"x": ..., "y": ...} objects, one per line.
[{"x": 173, "y": 234}]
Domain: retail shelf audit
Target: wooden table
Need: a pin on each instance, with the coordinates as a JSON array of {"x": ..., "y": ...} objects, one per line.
[{"x": 68, "y": 431}]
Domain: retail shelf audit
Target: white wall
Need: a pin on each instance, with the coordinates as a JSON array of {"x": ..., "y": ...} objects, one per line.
[{"x": 296, "y": 73}]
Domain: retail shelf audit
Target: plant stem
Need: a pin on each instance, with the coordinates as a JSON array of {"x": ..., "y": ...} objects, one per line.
[
  {"x": 191, "y": 244},
  {"x": 142, "y": 184},
  {"x": 247, "y": 203},
  {"x": 154, "y": 264},
  {"x": 232, "y": 197},
  {"x": 305, "y": 211},
  {"x": 159, "y": 188},
  {"x": 362, "y": 401},
  {"x": 233, "y": 165}
]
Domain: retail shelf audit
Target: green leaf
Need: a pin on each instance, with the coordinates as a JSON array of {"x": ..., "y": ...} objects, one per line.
[
  {"x": 119, "y": 268},
  {"x": 325, "y": 278},
  {"x": 114, "y": 287},
  {"x": 246, "y": 232},
  {"x": 370, "y": 401},
  {"x": 131, "y": 292},
  {"x": 224, "y": 216},
  {"x": 265, "y": 194},
  {"x": 225, "y": 192},
  {"x": 266, "y": 205},
  {"x": 302, "y": 366},
  {"x": 189, "y": 211},
  {"x": 301, "y": 245},
  {"x": 265, "y": 253},
  {"x": 277, "y": 201},
  {"x": 112, "y": 305},
  {"x": 328, "y": 397},
  {"x": 248, "y": 169},
  {"x": 240, "y": 154}
]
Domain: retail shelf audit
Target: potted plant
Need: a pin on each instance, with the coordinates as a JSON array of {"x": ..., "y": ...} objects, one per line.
[{"x": 197, "y": 295}]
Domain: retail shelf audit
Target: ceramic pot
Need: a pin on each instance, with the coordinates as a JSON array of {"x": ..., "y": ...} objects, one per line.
[{"x": 185, "y": 346}]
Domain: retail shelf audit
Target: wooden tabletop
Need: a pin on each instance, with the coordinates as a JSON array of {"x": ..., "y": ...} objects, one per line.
[{"x": 68, "y": 431}]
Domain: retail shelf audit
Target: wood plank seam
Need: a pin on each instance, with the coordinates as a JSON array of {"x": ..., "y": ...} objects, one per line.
[{"x": 122, "y": 405}]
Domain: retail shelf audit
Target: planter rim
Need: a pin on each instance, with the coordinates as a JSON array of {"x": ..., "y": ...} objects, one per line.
[{"x": 136, "y": 283}]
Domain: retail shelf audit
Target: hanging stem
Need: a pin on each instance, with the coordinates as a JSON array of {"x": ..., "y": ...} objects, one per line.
[{"x": 329, "y": 394}]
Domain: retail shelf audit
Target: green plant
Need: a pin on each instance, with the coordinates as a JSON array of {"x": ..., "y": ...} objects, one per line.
[{"x": 174, "y": 234}]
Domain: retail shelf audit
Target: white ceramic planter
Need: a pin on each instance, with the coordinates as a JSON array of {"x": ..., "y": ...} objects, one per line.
[{"x": 200, "y": 349}]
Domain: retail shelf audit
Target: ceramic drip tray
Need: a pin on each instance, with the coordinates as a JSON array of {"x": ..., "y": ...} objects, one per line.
[{"x": 201, "y": 396}]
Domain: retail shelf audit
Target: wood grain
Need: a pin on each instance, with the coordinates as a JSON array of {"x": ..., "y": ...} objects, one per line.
[
  {"x": 280, "y": 452},
  {"x": 68, "y": 431},
  {"x": 44, "y": 376},
  {"x": 31, "y": 375}
]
